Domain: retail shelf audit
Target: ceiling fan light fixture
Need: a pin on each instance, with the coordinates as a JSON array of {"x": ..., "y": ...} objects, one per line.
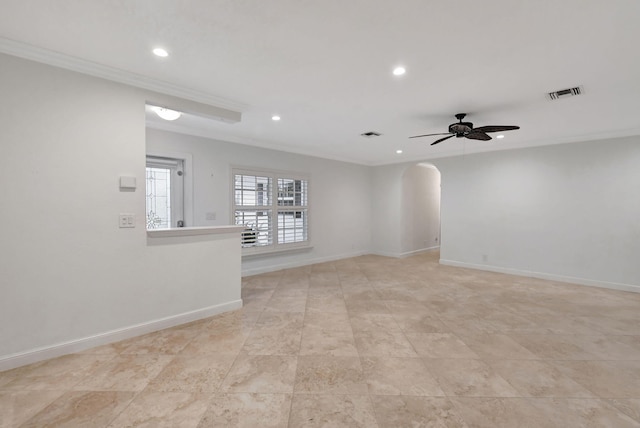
[
  {"x": 275, "y": 118},
  {"x": 167, "y": 114},
  {"x": 399, "y": 71},
  {"x": 499, "y": 136}
]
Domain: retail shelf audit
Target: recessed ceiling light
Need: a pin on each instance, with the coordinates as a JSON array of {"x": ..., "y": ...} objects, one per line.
[
  {"x": 399, "y": 71},
  {"x": 399, "y": 152},
  {"x": 275, "y": 118},
  {"x": 160, "y": 52},
  {"x": 166, "y": 113},
  {"x": 499, "y": 136}
]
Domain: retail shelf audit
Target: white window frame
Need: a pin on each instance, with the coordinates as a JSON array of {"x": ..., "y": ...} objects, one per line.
[
  {"x": 274, "y": 208},
  {"x": 187, "y": 185}
]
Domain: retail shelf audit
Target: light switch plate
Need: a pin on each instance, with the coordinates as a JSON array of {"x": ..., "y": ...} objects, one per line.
[{"x": 127, "y": 220}]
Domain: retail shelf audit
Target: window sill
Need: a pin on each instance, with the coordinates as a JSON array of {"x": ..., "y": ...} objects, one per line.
[
  {"x": 193, "y": 231},
  {"x": 275, "y": 251}
]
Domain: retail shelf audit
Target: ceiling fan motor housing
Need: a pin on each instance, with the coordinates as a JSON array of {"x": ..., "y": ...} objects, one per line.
[{"x": 461, "y": 129}]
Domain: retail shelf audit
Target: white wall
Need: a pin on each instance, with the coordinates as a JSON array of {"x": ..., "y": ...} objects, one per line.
[
  {"x": 386, "y": 208},
  {"x": 567, "y": 212},
  {"x": 420, "y": 208},
  {"x": 69, "y": 275},
  {"x": 340, "y": 195}
]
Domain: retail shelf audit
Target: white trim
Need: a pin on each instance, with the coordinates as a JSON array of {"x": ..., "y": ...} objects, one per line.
[
  {"x": 405, "y": 254},
  {"x": 299, "y": 263},
  {"x": 39, "y": 354},
  {"x": 416, "y": 252},
  {"x": 553, "y": 277},
  {"x": 193, "y": 231},
  {"x": 220, "y": 135},
  {"x": 57, "y": 59},
  {"x": 386, "y": 254},
  {"x": 190, "y": 107},
  {"x": 517, "y": 272},
  {"x": 531, "y": 144},
  {"x": 248, "y": 170},
  {"x": 267, "y": 251}
]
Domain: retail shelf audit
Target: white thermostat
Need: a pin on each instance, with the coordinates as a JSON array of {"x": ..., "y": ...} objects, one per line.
[{"x": 127, "y": 183}]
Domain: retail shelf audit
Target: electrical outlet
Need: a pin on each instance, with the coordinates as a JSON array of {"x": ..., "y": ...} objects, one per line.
[{"x": 210, "y": 216}]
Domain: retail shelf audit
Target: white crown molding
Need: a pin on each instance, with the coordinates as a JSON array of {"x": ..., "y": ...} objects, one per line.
[
  {"x": 622, "y": 133},
  {"x": 227, "y": 137},
  {"x": 56, "y": 59}
]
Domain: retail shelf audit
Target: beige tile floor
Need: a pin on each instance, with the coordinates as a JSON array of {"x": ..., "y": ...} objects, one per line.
[{"x": 362, "y": 342}]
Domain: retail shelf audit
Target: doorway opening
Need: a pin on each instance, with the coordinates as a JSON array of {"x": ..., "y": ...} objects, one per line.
[{"x": 421, "y": 194}]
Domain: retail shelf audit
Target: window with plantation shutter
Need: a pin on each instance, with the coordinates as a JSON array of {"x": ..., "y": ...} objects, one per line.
[
  {"x": 292, "y": 210},
  {"x": 273, "y": 207}
]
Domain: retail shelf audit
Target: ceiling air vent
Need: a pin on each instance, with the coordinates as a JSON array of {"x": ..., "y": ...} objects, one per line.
[
  {"x": 565, "y": 93},
  {"x": 371, "y": 134}
]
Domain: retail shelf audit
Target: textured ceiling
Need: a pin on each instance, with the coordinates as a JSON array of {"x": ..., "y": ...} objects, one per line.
[{"x": 325, "y": 67}]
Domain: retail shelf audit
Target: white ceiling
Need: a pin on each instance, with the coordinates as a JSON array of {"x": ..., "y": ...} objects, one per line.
[{"x": 325, "y": 67}]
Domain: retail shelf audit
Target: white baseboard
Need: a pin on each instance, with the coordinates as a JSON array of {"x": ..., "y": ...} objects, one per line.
[
  {"x": 306, "y": 262},
  {"x": 386, "y": 254},
  {"x": 299, "y": 263},
  {"x": 405, "y": 254},
  {"x": 543, "y": 275},
  {"x": 416, "y": 252},
  {"x": 33, "y": 356}
]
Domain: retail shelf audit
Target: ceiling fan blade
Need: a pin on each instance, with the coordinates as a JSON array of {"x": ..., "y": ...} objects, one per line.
[
  {"x": 495, "y": 128},
  {"x": 477, "y": 135},
  {"x": 430, "y": 135},
  {"x": 442, "y": 139}
]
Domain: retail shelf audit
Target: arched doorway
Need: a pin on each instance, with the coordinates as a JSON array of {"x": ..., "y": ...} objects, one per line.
[{"x": 420, "y": 209}]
